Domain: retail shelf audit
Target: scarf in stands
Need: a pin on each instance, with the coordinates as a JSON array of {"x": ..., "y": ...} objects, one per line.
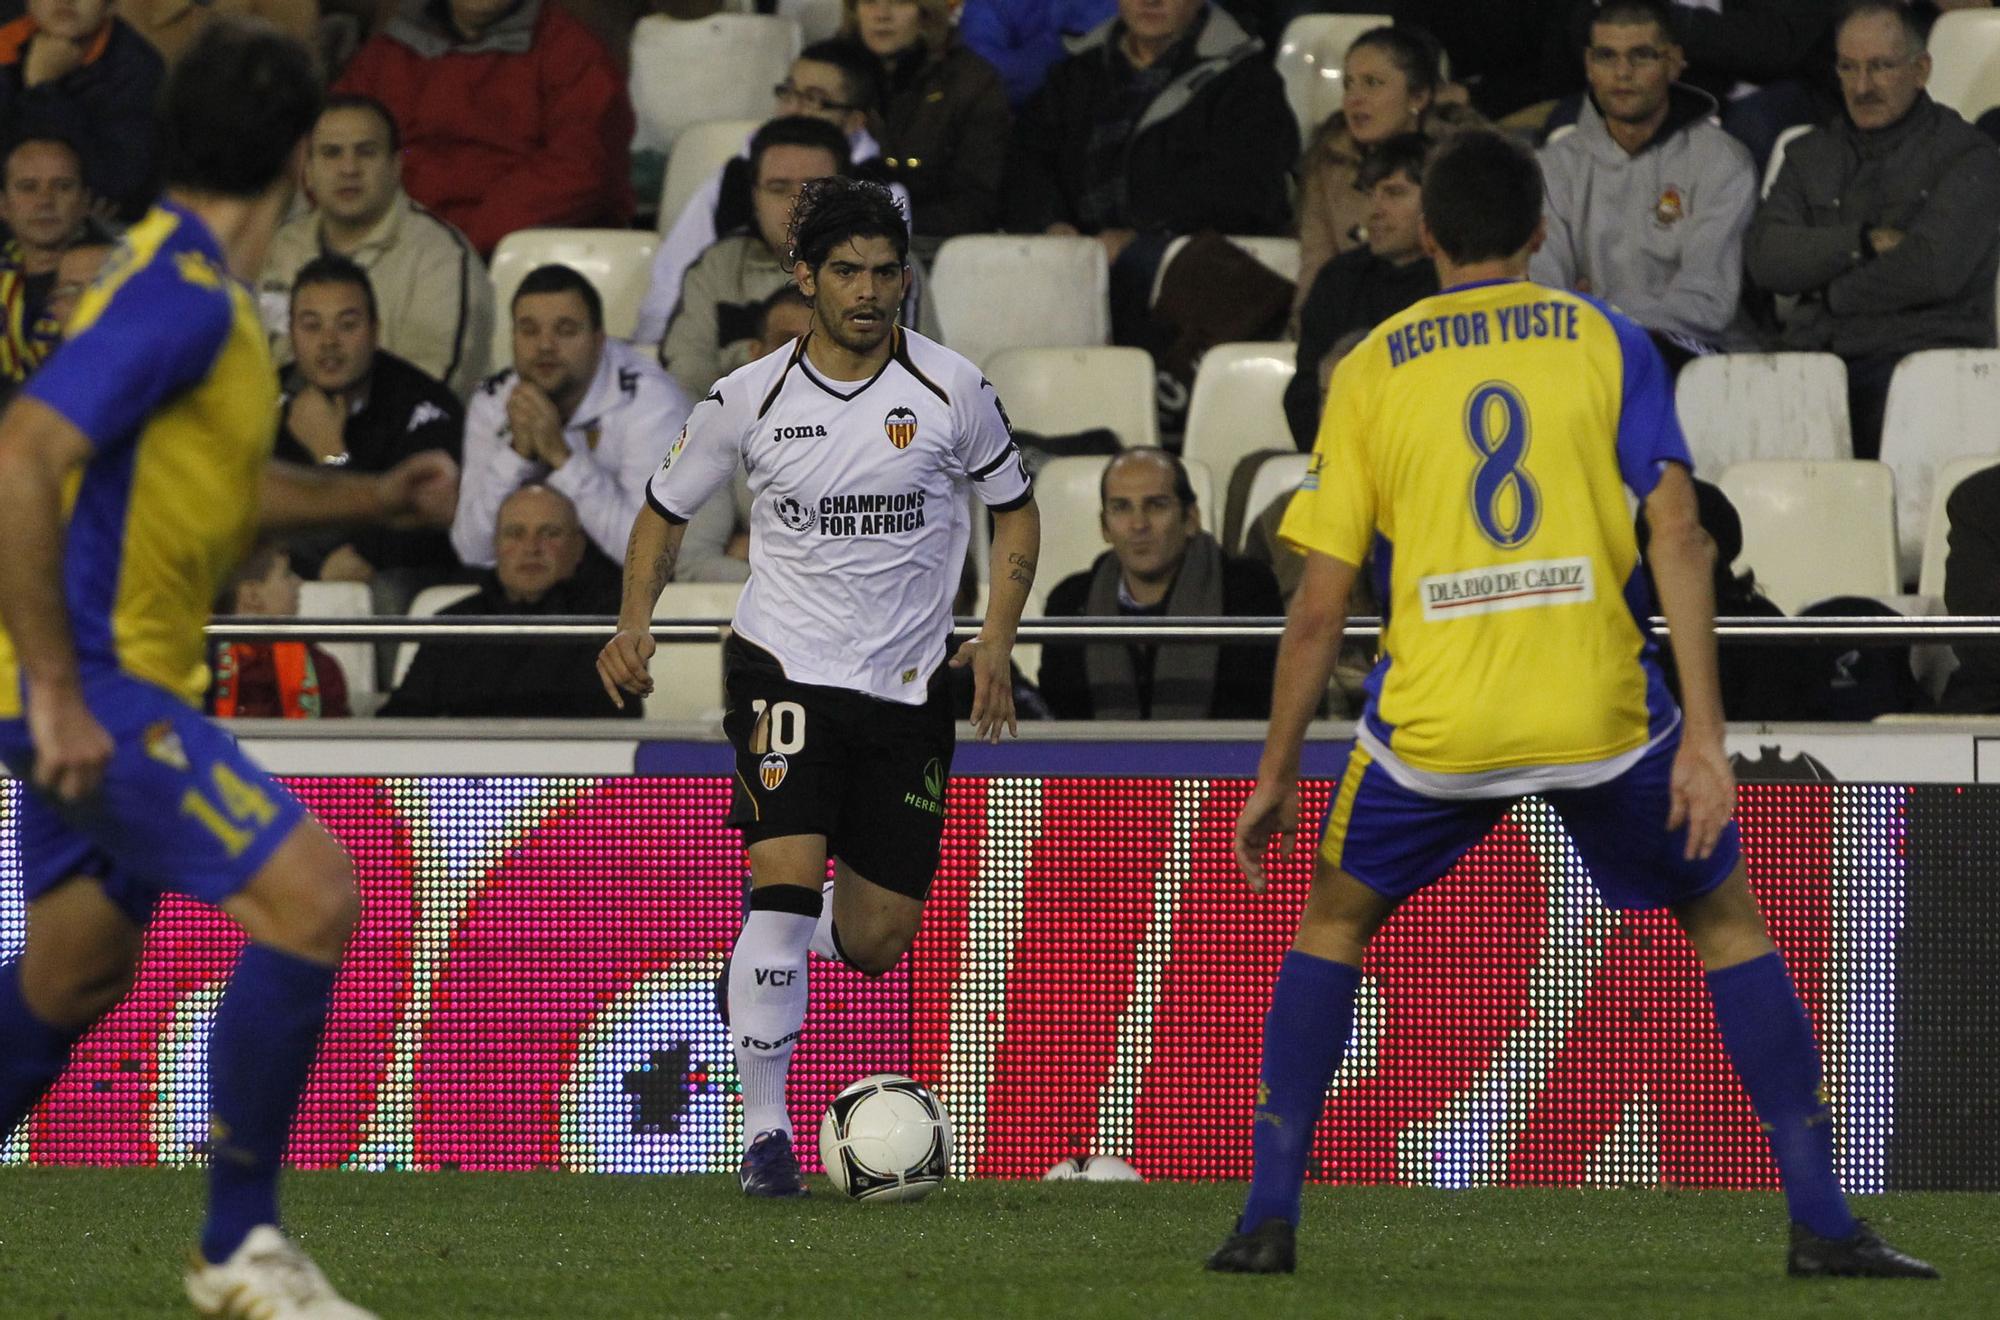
[
  {"x": 1184, "y": 674},
  {"x": 296, "y": 677}
]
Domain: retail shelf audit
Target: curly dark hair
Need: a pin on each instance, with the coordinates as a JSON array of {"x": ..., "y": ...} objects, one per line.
[{"x": 835, "y": 210}]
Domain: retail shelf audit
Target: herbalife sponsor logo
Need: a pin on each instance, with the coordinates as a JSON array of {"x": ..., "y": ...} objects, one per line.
[{"x": 932, "y": 798}]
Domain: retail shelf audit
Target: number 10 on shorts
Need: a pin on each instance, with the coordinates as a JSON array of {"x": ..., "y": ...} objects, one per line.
[{"x": 778, "y": 728}]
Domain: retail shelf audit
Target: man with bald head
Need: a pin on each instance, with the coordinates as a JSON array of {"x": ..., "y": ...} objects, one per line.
[
  {"x": 1160, "y": 564},
  {"x": 539, "y": 571}
]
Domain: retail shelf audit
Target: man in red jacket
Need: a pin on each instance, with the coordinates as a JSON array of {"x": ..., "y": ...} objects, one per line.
[{"x": 512, "y": 115}]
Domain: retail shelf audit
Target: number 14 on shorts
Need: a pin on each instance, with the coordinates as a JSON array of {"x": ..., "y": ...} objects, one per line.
[{"x": 232, "y": 809}]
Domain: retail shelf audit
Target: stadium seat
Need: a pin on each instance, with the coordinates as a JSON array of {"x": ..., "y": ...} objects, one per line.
[
  {"x": 1933, "y": 663},
  {"x": 618, "y": 261},
  {"x": 1965, "y": 61},
  {"x": 1280, "y": 256},
  {"x": 343, "y": 600},
  {"x": 720, "y": 67},
  {"x": 1060, "y": 391},
  {"x": 429, "y": 601},
  {"x": 1777, "y": 161},
  {"x": 1238, "y": 404},
  {"x": 1816, "y": 529},
  {"x": 1942, "y": 405},
  {"x": 1277, "y": 475},
  {"x": 995, "y": 291},
  {"x": 1310, "y": 55},
  {"x": 1739, "y": 406},
  {"x": 687, "y": 676},
  {"x": 698, "y": 152},
  {"x": 817, "y": 19}
]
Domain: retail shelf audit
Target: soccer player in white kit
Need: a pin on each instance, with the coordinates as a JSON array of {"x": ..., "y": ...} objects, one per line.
[{"x": 859, "y": 440}]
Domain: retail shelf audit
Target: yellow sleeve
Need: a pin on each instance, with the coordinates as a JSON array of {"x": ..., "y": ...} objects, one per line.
[{"x": 1334, "y": 510}]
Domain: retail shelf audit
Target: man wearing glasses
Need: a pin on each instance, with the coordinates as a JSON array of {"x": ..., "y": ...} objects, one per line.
[
  {"x": 1881, "y": 223},
  {"x": 1648, "y": 199}
]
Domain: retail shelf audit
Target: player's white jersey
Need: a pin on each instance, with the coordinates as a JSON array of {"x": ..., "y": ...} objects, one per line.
[{"x": 859, "y": 516}]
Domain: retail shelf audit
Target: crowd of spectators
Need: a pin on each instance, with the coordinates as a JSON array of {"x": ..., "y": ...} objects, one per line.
[{"x": 1136, "y": 123}]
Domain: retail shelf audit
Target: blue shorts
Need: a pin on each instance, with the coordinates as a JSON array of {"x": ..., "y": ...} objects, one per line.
[
  {"x": 181, "y": 808},
  {"x": 1396, "y": 841}
]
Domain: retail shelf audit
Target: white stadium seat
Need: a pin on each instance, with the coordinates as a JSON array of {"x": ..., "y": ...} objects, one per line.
[
  {"x": 1280, "y": 256},
  {"x": 687, "y": 676},
  {"x": 1310, "y": 55},
  {"x": 429, "y": 601},
  {"x": 994, "y": 291},
  {"x": 699, "y": 152},
  {"x": 1813, "y": 530},
  {"x": 1942, "y": 405},
  {"x": 721, "y": 67},
  {"x": 1238, "y": 404},
  {"x": 1060, "y": 391},
  {"x": 618, "y": 262},
  {"x": 1965, "y": 61},
  {"x": 1740, "y": 406},
  {"x": 343, "y": 600},
  {"x": 1278, "y": 475}
]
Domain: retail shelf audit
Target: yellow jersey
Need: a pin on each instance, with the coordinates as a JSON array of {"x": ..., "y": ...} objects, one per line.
[
  {"x": 1476, "y": 451},
  {"x": 168, "y": 374}
]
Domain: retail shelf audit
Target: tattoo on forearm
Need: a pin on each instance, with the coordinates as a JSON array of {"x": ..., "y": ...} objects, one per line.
[{"x": 1023, "y": 570}]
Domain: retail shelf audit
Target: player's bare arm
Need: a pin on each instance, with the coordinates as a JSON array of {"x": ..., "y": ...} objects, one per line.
[
  {"x": 1703, "y": 787},
  {"x": 1306, "y": 654},
  {"x": 39, "y": 449},
  {"x": 650, "y": 555},
  {"x": 419, "y": 492},
  {"x": 1017, "y": 543}
]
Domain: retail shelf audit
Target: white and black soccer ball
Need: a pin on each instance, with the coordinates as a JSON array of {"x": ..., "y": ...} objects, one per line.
[
  {"x": 886, "y": 1138},
  {"x": 1092, "y": 1168}
]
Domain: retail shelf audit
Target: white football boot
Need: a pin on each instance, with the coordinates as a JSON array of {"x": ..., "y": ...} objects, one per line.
[{"x": 268, "y": 1278}]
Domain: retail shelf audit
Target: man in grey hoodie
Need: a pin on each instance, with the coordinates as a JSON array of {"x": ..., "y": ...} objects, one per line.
[
  {"x": 1648, "y": 199},
  {"x": 1882, "y": 223}
]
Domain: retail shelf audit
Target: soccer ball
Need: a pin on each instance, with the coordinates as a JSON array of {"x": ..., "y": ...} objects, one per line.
[
  {"x": 1092, "y": 1168},
  {"x": 886, "y": 1138}
]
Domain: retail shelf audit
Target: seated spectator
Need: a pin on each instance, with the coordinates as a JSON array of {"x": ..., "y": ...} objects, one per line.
[
  {"x": 1390, "y": 85},
  {"x": 590, "y": 416},
  {"x": 1365, "y": 285},
  {"x": 349, "y": 403},
  {"x": 1648, "y": 200},
  {"x": 72, "y": 70},
  {"x": 833, "y": 81},
  {"x": 540, "y": 568},
  {"x": 1024, "y": 39},
  {"x": 272, "y": 680},
  {"x": 1165, "y": 122},
  {"x": 716, "y": 547},
  {"x": 436, "y": 301},
  {"x": 76, "y": 270},
  {"x": 1882, "y": 223},
  {"x": 1160, "y": 564},
  {"x": 513, "y": 115},
  {"x": 943, "y": 113},
  {"x": 713, "y": 330},
  {"x": 1972, "y": 586},
  {"x": 46, "y": 208}
]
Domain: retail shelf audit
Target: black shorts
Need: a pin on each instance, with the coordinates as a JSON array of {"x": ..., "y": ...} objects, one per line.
[{"x": 868, "y": 774}]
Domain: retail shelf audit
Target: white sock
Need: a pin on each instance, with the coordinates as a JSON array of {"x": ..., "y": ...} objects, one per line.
[
  {"x": 767, "y": 1008},
  {"x": 822, "y": 941}
]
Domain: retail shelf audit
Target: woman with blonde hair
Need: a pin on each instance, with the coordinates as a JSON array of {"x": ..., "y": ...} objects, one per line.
[{"x": 943, "y": 116}]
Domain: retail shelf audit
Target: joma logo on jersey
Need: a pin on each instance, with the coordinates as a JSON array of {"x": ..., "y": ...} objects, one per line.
[
  {"x": 901, "y": 425},
  {"x": 797, "y": 433}
]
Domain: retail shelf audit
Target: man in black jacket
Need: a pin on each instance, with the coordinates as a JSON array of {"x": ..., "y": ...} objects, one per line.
[
  {"x": 538, "y": 550},
  {"x": 1161, "y": 564}
]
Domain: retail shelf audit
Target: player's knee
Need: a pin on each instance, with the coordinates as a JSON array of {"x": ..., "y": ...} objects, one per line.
[
  {"x": 874, "y": 954},
  {"x": 77, "y": 993}
]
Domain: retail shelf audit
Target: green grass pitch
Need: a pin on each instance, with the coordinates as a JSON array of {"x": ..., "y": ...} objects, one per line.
[{"x": 87, "y": 1243}]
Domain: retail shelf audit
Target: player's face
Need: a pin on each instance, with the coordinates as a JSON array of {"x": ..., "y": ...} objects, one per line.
[
  {"x": 1630, "y": 67},
  {"x": 786, "y": 322},
  {"x": 816, "y": 89},
  {"x": 781, "y": 173},
  {"x": 1159, "y": 20},
  {"x": 75, "y": 270},
  {"x": 888, "y": 27},
  {"x": 44, "y": 201},
  {"x": 349, "y": 167},
  {"x": 1880, "y": 76},
  {"x": 72, "y": 20},
  {"x": 555, "y": 348},
  {"x": 856, "y": 292},
  {"x": 1144, "y": 521},
  {"x": 537, "y": 543},
  {"x": 1395, "y": 206},
  {"x": 1376, "y": 98},
  {"x": 332, "y": 335}
]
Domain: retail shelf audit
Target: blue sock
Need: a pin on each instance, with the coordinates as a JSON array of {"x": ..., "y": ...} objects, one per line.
[
  {"x": 1770, "y": 1041},
  {"x": 32, "y": 1053},
  {"x": 267, "y": 1031},
  {"x": 1305, "y": 1033}
]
